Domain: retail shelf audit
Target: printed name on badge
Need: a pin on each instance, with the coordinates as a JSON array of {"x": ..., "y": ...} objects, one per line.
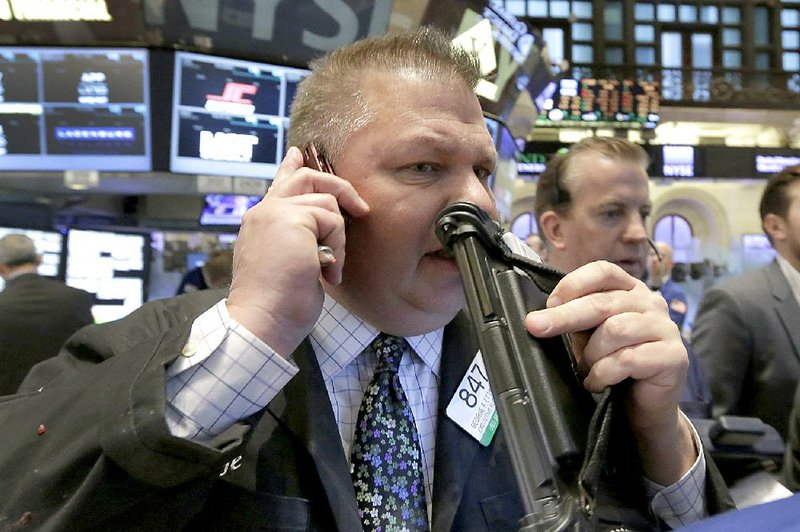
[{"x": 472, "y": 407}]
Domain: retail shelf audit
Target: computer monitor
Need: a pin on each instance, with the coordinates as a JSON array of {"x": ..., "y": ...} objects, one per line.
[
  {"x": 111, "y": 265},
  {"x": 74, "y": 109},
  {"x": 226, "y": 209},
  {"x": 230, "y": 116}
]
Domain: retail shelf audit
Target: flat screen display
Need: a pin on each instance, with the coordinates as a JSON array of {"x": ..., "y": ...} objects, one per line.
[
  {"x": 110, "y": 265},
  {"x": 226, "y": 209},
  {"x": 230, "y": 116},
  {"x": 599, "y": 103},
  {"x": 74, "y": 109},
  {"x": 49, "y": 245}
]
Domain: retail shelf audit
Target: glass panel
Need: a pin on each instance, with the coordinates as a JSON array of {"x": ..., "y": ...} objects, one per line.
[
  {"x": 709, "y": 15},
  {"x": 790, "y": 39},
  {"x": 688, "y": 14},
  {"x": 645, "y": 33},
  {"x": 671, "y": 50},
  {"x": 582, "y": 31},
  {"x": 613, "y": 16},
  {"x": 645, "y": 56},
  {"x": 790, "y": 18},
  {"x": 516, "y": 7},
  {"x": 582, "y": 53},
  {"x": 644, "y": 11},
  {"x": 731, "y": 59},
  {"x": 554, "y": 40},
  {"x": 614, "y": 55},
  {"x": 537, "y": 8},
  {"x": 761, "y": 30},
  {"x": 682, "y": 232},
  {"x": 791, "y": 61},
  {"x": 762, "y": 61},
  {"x": 731, "y": 15},
  {"x": 559, "y": 9},
  {"x": 666, "y": 13},
  {"x": 675, "y": 231},
  {"x": 731, "y": 37},
  {"x": 702, "y": 56},
  {"x": 523, "y": 225},
  {"x": 582, "y": 9}
]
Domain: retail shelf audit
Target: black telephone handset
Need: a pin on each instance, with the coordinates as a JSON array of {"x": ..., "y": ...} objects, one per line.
[{"x": 317, "y": 161}]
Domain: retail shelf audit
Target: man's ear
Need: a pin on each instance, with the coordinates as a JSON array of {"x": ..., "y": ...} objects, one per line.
[
  {"x": 552, "y": 227},
  {"x": 774, "y": 226}
]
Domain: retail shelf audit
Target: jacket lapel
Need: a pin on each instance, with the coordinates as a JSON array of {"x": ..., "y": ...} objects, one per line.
[
  {"x": 785, "y": 305},
  {"x": 306, "y": 410},
  {"x": 455, "y": 449}
]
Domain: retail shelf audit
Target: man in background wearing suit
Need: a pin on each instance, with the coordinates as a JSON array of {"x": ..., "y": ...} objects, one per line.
[
  {"x": 37, "y": 314},
  {"x": 239, "y": 410},
  {"x": 747, "y": 328},
  {"x": 600, "y": 214},
  {"x": 660, "y": 269}
]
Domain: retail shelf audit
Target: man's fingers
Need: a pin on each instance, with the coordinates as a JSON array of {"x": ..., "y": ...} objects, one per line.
[
  {"x": 644, "y": 362},
  {"x": 598, "y": 276},
  {"x": 582, "y": 314}
]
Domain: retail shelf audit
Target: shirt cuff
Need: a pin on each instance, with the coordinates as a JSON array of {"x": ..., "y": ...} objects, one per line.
[
  {"x": 224, "y": 374},
  {"x": 684, "y": 501}
]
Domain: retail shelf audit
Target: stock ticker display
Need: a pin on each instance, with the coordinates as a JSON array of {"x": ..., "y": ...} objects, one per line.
[
  {"x": 599, "y": 103},
  {"x": 230, "y": 116},
  {"x": 74, "y": 108}
]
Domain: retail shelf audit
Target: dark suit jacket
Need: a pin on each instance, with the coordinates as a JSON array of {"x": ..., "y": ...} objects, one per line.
[
  {"x": 37, "y": 315},
  {"x": 747, "y": 335},
  {"x": 102, "y": 457}
]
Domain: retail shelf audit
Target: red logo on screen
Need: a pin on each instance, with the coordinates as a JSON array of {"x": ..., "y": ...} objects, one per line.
[
  {"x": 233, "y": 93},
  {"x": 232, "y": 100}
]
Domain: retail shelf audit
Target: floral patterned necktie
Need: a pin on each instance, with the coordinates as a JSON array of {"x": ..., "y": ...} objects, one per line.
[{"x": 386, "y": 462}]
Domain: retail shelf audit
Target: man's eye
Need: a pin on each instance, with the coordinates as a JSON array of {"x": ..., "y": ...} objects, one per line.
[
  {"x": 612, "y": 214},
  {"x": 423, "y": 167},
  {"x": 482, "y": 173}
]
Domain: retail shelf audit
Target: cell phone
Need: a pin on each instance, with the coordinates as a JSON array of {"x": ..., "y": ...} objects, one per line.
[{"x": 315, "y": 160}]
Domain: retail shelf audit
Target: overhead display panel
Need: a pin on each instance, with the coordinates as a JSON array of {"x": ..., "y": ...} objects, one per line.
[
  {"x": 599, "y": 103},
  {"x": 74, "y": 109},
  {"x": 72, "y": 22},
  {"x": 230, "y": 116}
]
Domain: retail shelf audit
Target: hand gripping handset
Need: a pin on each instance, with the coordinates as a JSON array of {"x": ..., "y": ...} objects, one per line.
[
  {"x": 545, "y": 413},
  {"x": 316, "y": 161}
]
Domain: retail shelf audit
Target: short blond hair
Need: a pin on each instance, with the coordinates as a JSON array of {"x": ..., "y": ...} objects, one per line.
[{"x": 330, "y": 104}]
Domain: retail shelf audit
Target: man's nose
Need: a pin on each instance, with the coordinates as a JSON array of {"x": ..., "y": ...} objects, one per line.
[
  {"x": 635, "y": 230},
  {"x": 475, "y": 191}
]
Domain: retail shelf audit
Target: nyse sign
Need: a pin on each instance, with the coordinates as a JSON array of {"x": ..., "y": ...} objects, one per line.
[{"x": 290, "y": 30}]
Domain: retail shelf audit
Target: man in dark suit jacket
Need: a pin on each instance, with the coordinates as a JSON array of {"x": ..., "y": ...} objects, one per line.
[
  {"x": 746, "y": 331},
  {"x": 238, "y": 412},
  {"x": 37, "y": 314}
]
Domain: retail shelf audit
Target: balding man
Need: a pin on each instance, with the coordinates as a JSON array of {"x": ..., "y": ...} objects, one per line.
[
  {"x": 37, "y": 314},
  {"x": 661, "y": 279}
]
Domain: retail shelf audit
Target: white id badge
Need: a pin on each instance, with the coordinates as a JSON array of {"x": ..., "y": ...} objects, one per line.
[{"x": 472, "y": 406}]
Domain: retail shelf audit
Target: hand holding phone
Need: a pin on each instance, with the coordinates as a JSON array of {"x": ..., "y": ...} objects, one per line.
[{"x": 316, "y": 161}]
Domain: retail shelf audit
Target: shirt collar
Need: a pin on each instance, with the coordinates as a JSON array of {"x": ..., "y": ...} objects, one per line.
[
  {"x": 339, "y": 337},
  {"x": 791, "y": 274}
]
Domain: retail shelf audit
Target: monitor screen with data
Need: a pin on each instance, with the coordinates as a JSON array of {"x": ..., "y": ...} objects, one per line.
[
  {"x": 111, "y": 265},
  {"x": 74, "y": 109},
  {"x": 229, "y": 116}
]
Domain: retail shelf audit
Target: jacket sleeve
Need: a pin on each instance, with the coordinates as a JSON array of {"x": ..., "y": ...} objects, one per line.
[
  {"x": 87, "y": 428},
  {"x": 721, "y": 340}
]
